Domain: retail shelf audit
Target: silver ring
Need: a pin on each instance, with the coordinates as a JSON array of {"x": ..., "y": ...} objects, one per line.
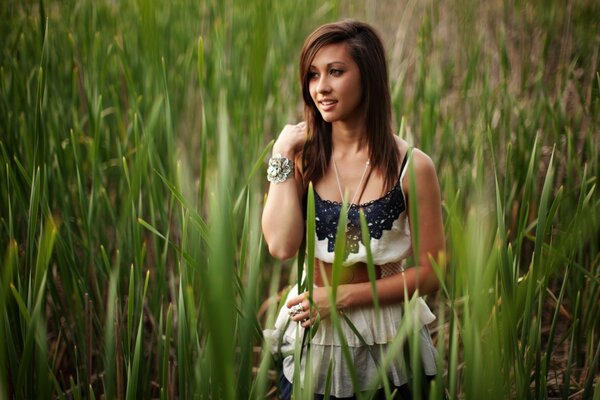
[{"x": 296, "y": 309}]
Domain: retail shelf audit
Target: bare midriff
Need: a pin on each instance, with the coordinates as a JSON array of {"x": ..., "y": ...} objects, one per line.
[{"x": 355, "y": 273}]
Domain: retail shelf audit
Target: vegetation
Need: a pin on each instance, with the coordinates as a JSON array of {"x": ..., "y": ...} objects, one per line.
[{"x": 132, "y": 140}]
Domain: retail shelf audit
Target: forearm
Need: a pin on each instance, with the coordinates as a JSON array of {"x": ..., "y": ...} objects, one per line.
[
  {"x": 391, "y": 289},
  {"x": 282, "y": 220}
]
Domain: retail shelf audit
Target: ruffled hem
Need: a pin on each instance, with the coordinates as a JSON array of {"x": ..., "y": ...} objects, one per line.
[
  {"x": 377, "y": 331},
  {"x": 367, "y": 362}
]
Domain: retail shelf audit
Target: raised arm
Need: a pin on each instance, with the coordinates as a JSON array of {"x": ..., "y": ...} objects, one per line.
[{"x": 282, "y": 219}]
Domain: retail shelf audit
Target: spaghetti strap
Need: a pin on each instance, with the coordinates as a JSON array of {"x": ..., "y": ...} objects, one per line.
[
  {"x": 403, "y": 169},
  {"x": 404, "y": 162}
]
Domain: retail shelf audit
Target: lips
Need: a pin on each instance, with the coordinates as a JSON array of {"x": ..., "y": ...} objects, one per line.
[{"x": 327, "y": 104}]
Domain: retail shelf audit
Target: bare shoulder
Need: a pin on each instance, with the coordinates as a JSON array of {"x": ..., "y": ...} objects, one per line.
[
  {"x": 422, "y": 163},
  {"x": 424, "y": 173}
]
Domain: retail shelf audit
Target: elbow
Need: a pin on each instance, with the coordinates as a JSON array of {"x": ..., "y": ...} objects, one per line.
[
  {"x": 281, "y": 244},
  {"x": 282, "y": 248},
  {"x": 430, "y": 282},
  {"x": 282, "y": 252}
]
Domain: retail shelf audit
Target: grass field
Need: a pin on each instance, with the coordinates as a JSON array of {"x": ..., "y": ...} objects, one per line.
[{"x": 132, "y": 146}]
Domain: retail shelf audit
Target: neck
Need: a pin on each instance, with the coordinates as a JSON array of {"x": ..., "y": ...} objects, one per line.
[{"x": 348, "y": 140}]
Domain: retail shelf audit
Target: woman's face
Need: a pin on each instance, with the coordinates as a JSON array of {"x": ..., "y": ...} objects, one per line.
[{"x": 334, "y": 84}]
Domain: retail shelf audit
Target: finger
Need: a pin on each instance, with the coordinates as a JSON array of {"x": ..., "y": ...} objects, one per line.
[
  {"x": 294, "y": 300},
  {"x": 301, "y": 298},
  {"x": 306, "y": 314},
  {"x": 308, "y": 322},
  {"x": 295, "y": 311},
  {"x": 298, "y": 310},
  {"x": 300, "y": 316}
]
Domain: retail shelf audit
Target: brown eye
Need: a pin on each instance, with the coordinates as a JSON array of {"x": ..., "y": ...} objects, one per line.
[{"x": 336, "y": 72}]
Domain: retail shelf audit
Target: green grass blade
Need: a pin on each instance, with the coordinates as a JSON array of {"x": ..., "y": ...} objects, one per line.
[
  {"x": 110, "y": 359},
  {"x": 366, "y": 239}
]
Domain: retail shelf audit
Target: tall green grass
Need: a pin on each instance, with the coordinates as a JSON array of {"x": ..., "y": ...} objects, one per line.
[{"x": 132, "y": 140}]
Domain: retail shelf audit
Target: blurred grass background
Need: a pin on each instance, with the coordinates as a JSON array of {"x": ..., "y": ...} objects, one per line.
[{"x": 132, "y": 138}]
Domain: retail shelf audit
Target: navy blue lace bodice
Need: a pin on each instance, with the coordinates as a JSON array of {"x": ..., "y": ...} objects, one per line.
[{"x": 380, "y": 215}]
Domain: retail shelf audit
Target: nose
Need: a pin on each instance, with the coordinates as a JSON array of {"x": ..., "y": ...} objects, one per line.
[{"x": 323, "y": 85}]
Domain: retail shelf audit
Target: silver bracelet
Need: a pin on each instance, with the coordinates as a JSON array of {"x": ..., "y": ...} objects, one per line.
[{"x": 280, "y": 169}]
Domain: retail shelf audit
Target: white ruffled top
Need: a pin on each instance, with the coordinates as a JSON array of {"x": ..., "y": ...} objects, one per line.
[{"x": 390, "y": 245}]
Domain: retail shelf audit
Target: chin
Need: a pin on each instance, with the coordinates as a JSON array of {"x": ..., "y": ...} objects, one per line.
[{"x": 328, "y": 118}]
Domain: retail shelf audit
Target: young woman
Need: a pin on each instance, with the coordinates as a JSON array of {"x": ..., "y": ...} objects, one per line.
[{"x": 346, "y": 147}]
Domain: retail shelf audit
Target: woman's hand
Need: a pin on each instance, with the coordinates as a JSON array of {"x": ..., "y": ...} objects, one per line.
[
  {"x": 291, "y": 140},
  {"x": 299, "y": 306}
]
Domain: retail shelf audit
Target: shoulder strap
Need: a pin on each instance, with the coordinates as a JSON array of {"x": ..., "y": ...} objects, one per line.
[
  {"x": 403, "y": 170},
  {"x": 404, "y": 163}
]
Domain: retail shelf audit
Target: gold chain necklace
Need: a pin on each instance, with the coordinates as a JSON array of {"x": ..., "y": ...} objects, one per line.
[{"x": 337, "y": 178}]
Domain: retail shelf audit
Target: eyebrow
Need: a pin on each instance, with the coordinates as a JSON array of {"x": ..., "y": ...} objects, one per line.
[{"x": 331, "y": 64}]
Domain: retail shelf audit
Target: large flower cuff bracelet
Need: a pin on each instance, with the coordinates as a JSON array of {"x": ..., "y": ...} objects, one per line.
[{"x": 280, "y": 169}]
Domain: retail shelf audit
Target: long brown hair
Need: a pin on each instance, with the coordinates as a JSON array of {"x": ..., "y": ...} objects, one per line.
[{"x": 366, "y": 49}]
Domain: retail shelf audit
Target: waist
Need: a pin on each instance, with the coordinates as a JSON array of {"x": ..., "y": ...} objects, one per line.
[{"x": 355, "y": 273}]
